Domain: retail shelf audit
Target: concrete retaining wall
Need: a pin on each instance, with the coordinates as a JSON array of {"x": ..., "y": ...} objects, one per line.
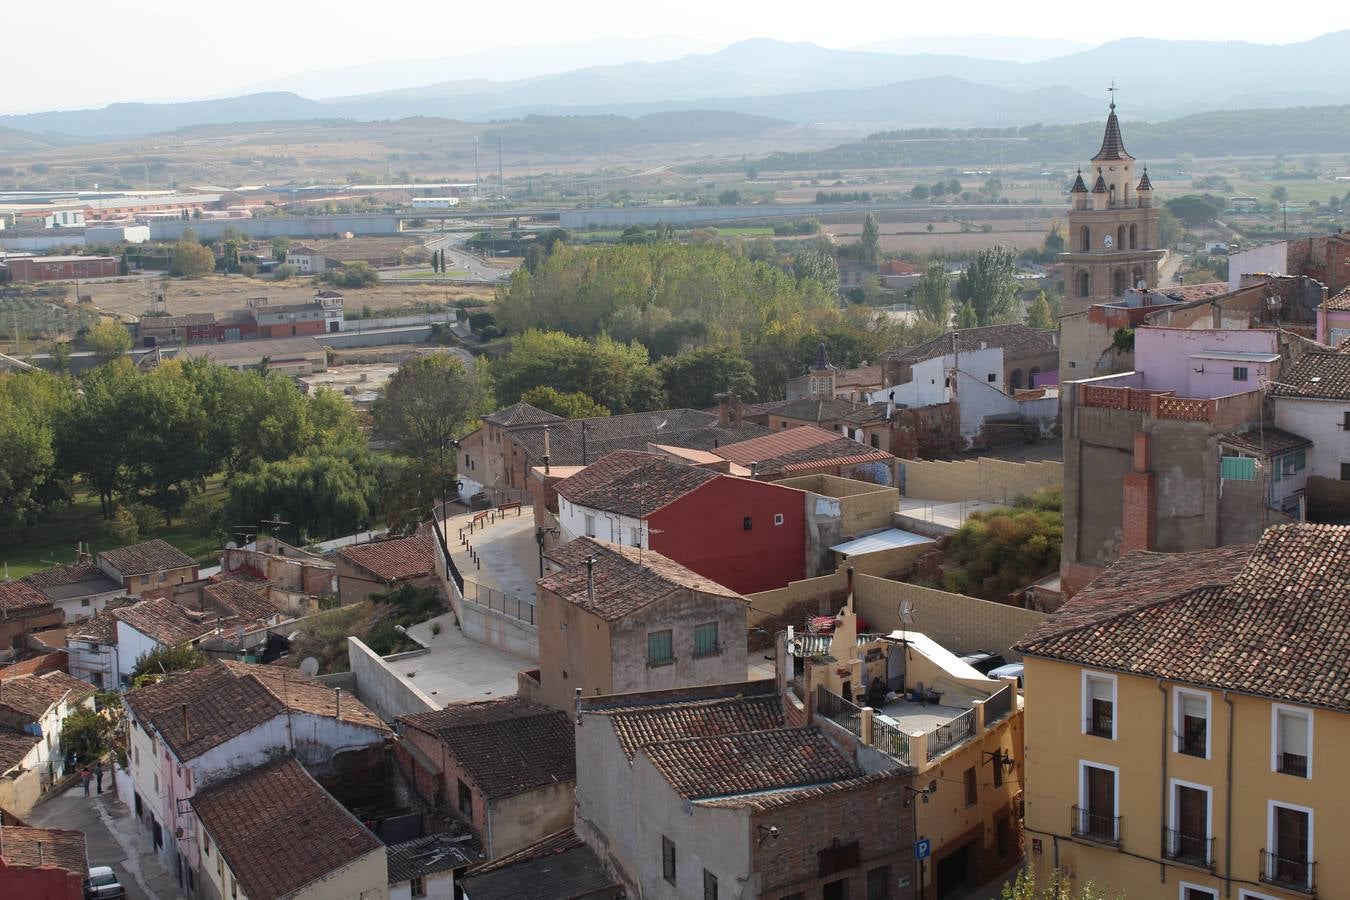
[
  {"x": 341, "y": 340},
  {"x": 487, "y": 626},
  {"x": 303, "y": 226},
  {"x": 991, "y": 480},
  {"x": 378, "y": 687}
]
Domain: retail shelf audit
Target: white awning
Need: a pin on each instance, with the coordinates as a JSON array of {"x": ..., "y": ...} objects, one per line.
[{"x": 889, "y": 539}]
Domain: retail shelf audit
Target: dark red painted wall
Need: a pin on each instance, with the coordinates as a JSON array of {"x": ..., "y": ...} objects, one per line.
[
  {"x": 705, "y": 531},
  {"x": 40, "y": 884}
]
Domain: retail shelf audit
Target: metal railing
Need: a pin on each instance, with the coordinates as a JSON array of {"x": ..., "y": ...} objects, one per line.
[
  {"x": 891, "y": 741},
  {"x": 506, "y": 604},
  {"x": 1192, "y": 849},
  {"x": 951, "y": 734},
  {"x": 1097, "y": 827},
  {"x": 1291, "y": 873},
  {"x": 839, "y": 711},
  {"x": 998, "y": 705}
]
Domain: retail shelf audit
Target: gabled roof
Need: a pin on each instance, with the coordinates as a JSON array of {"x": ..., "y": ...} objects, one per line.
[
  {"x": 20, "y": 597},
  {"x": 428, "y": 855},
  {"x": 521, "y": 414},
  {"x": 241, "y": 600},
  {"x": 70, "y": 582},
  {"x": 278, "y": 830},
  {"x": 751, "y": 761},
  {"x": 32, "y": 695},
  {"x": 1016, "y": 340},
  {"x": 637, "y": 726},
  {"x": 395, "y": 560},
  {"x": 1316, "y": 375},
  {"x": 626, "y": 579},
  {"x": 198, "y": 710},
  {"x": 15, "y": 747},
  {"x": 814, "y": 409},
  {"x": 632, "y": 483},
  {"x": 634, "y": 431},
  {"x": 800, "y": 448},
  {"x": 1267, "y": 442},
  {"x": 164, "y": 621},
  {"x": 507, "y": 746},
  {"x": 146, "y": 557},
  {"x": 1276, "y": 628},
  {"x": 1113, "y": 145},
  {"x": 31, "y": 848},
  {"x": 1339, "y": 301},
  {"x": 559, "y": 866}
]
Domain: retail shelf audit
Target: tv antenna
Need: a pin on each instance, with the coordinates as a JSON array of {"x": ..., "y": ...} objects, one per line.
[{"x": 905, "y": 610}]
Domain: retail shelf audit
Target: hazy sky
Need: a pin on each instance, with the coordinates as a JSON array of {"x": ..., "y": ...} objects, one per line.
[{"x": 80, "y": 53}]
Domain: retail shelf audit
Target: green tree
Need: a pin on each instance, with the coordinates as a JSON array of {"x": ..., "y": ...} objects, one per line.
[
  {"x": 966, "y": 317},
  {"x": 284, "y": 272},
  {"x": 31, "y": 406},
  {"x": 694, "y": 380},
  {"x": 1058, "y": 887},
  {"x": 165, "y": 659},
  {"x": 989, "y": 285},
  {"x": 92, "y": 435},
  {"x": 279, "y": 247},
  {"x": 816, "y": 263},
  {"x": 933, "y": 295},
  {"x": 1196, "y": 210},
  {"x": 617, "y": 376},
  {"x": 87, "y": 734},
  {"x": 870, "y": 241},
  {"x": 109, "y": 340},
  {"x": 204, "y": 515},
  {"x": 574, "y": 405},
  {"x": 191, "y": 260},
  {"x": 166, "y": 431},
  {"x": 61, "y": 353},
  {"x": 321, "y": 494},
  {"x": 1169, "y": 228},
  {"x": 429, "y": 402},
  {"x": 121, "y": 527},
  {"x": 1054, "y": 243},
  {"x": 356, "y": 274},
  {"x": 1040, "y": 316},
  {"x": 919, "y": 192},
  {"x": 1280, "y": 194}
]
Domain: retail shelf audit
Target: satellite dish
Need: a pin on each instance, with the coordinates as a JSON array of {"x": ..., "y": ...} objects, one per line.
[
  {"x": 309, "y": 666},
  {"x": 231, "y": 545}
]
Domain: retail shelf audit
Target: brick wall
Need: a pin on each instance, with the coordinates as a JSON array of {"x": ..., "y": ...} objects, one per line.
[{"x": 991, "y": 480}]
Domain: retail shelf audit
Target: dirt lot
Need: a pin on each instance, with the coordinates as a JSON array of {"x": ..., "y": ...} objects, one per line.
[
  {"x": 130, "y": 297},
  {"x": 913, "y": 238}
]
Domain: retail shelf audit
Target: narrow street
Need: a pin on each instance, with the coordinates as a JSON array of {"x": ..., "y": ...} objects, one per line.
[{"x": 110, "y": 838}]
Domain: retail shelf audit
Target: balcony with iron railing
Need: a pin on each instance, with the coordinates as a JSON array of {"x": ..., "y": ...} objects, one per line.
[
  {"x": 1292, "y": 873},
  {"x": 1188, "y": 849},
  {"x": 1096, "y": 826}
]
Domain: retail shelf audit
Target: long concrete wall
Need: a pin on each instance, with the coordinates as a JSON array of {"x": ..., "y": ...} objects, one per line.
[
  {"x": 707, "y": 215},
  {"x": 488, "y": 626},
  {"x": 380, "y": 688},
  {"x": 302, "y": 226},
  {"x": 991, "y": 480}
]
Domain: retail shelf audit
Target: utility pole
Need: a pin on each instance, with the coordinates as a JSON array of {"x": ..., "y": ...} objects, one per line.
[
  {"x": 476, "y": 192},
  {"x": 501, "y": 182}
]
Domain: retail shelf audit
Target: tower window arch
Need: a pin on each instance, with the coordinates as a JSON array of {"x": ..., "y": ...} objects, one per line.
[
  {"x": 1134, "y": 237},
  {"x": 1085, "y": 239},
  {"x": 1084, "y": 284},
  {"x": 1137, "y": 277},
  {"x": 1118, "y": 282},
  {"x": 1120, "y": 238}
]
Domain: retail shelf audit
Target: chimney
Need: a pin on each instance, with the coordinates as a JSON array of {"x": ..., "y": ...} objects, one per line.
[
  {"x": 754, "y": 469},
  {"x": 546, "y": 450},
  {"x": 849, "y": 601},
  {"x": 590, "y": 578},
  {"x": 187, "y": 729},
  {"x": 728, "y": 410},
  {"x": 337, "y": 714}
]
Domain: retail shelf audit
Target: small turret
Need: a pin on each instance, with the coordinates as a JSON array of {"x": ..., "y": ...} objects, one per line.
[{"x": 1145, "y": 190}]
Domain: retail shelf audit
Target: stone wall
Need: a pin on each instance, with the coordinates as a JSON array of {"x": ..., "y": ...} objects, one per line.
[{"x": 991, "y": 480}]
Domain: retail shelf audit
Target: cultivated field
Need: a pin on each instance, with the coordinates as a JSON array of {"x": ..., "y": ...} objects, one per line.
[{"x": 911, "y": 238}]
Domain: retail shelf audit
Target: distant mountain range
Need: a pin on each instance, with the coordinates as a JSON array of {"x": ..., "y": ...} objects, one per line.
[{"x": 805, "y": 83}]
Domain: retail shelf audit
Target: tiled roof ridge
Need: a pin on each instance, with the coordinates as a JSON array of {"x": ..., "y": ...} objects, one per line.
[{"x": 1028, "y": 645}]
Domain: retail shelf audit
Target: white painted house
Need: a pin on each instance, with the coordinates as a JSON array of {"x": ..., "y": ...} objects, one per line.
[
  {"x": 151, "y": 625},
  {"x": 80, "y": 590},
  {"x": 1312, "y": 400},
  {"x": 38, "y": 705}
]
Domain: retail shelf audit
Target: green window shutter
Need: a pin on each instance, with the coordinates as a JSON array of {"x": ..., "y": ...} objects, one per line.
[
  {"x": 1239, "y": 468},
  {"x": 705, "y": 639},
  {"x": 660, "y": 647}
]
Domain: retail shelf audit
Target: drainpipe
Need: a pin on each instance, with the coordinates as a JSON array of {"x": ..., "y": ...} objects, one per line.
[
  {"x": 590, "y": 578},
  {"x": 1166, "y": 732},
  {"x": 1228, "y": 808}
]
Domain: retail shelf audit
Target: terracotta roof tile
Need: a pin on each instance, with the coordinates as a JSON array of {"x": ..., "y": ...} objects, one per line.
[
  {"x": 1268, "y": 442},
  {"x": 626, "y": 579},
  {"x": 1316, "y": 375},
  {"x": 556, "y": 867},
  {"x": 65, "y": 582},
  {"x": 690, "y": 428},
  {"x": 1113, "y": 145},
  {"x": 19, "y": 597},
  {"x": 278, "y": 830},
  {"x": 164, "y": 621},
  {"x": 803, "y": 447},
  {"x": 225, "y": 699},
  {"x": 241, "y": 600},
  {"x": 32, "y": 695},
  {"x": 55, "y": 661},
  {"x": 632, "y": 483},
  {"x": 1016, "y": 340},
  {"x": 786, "y": 796},
  {"x": 1340, "y": 301},
  {"x": 102, "y": 627},
  {"x": 815, "y": 409},
  {"x": 14, "y": 747},
  {"x": 521, "y": 414},
  {"x": 637, "y": 726},
  {"x": 507, "y": 746},
  {"x": 395, "y": 560},
  {"x": 750, "y": 761},
  {"x": 30, "y": 848},
  {"x": 1276, "y": 629},
  {"x": 148, "y": 556}
]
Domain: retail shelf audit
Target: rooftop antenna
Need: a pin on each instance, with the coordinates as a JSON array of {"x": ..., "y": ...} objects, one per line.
[{"x": 906, "y": 613}]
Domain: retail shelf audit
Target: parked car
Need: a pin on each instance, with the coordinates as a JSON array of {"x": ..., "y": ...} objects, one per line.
[
  {"x": 102, "y": 884},
  {"x": 1011, "y": 670},
  {"x": 983, "y": 661}
]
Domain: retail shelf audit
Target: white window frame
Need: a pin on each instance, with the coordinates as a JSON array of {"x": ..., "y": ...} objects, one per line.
[
  {"x": 1178, "y": 724},
  {"x": 1185, "y": 886},
  {"x": 777, "y": 518},
  {"x": 1083, "y": 765},
  {"x": 1172, "y": 810},
  {"x": 588, "y": 525},
  {"x": 1085, "y": 713},
  {"x": 1270, "y": 824},
  {"x": 1275, "y": 710},
  {"x": 1248, "y": 894}
]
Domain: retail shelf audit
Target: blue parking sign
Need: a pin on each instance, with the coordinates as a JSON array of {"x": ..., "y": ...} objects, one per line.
[{"x": 923, "y": 848}]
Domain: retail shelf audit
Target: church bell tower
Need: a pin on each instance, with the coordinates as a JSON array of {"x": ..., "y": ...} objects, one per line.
[{"x": 1113, "y": 227}]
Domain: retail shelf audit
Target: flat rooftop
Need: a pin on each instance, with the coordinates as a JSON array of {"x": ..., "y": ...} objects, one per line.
[{"x": 458, "y": 668}]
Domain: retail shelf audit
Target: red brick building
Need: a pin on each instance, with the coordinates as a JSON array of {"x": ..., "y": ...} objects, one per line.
[{"x": 61, "y": 268}]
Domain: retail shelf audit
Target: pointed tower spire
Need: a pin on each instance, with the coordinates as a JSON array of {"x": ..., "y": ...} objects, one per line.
[
  {"x": 1078, "y": 186},
  {"x": 1113, "y": 145},
  {"x": 1144, "y": 183}
]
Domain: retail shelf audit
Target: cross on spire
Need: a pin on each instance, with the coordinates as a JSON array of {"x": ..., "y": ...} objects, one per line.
[{"x": 1112, "y": 91}]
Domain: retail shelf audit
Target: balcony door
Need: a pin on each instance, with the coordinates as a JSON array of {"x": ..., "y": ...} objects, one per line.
[
  {"x": 1101, "y": 801},
  {"x": 1291, "y": 845},
  {"x": 1192, "y": 824}
]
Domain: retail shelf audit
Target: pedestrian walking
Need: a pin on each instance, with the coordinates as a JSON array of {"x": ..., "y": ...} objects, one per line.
[
  {"x": 85, "y": 777},
  {"x": 98, "y": 775}
]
